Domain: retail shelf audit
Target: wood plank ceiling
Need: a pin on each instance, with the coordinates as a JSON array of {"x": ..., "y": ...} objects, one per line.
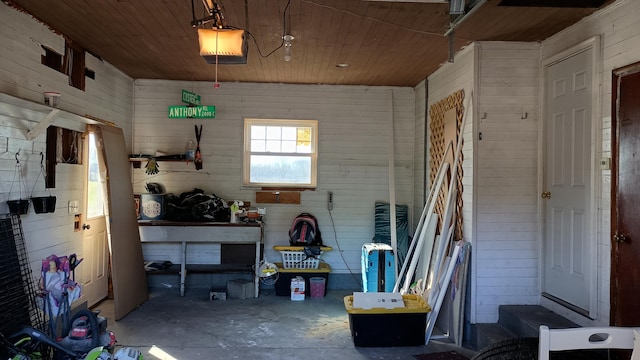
[{"x": 383, "y": 42}]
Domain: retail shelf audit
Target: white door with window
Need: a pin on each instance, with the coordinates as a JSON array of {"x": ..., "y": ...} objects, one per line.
[
  {"x": 93, "y": 272},
  {"x": 567, "y": 236}
]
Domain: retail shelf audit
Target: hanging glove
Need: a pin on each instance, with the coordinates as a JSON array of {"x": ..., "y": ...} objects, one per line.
[{"x": 152, "y": 167}]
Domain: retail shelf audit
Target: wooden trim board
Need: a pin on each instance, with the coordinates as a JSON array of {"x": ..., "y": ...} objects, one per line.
[{"x": 278, "y": 197}]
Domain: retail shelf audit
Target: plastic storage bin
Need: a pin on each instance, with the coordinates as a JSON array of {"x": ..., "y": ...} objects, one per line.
[
  {"x": 379, "y": 327},
  {"x": 285, "y": 275}
]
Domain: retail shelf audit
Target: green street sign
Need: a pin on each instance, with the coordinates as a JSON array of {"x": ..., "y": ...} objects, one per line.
[
  {"x": 195, "y": 112},
  {"x": 190, "y": 98}
]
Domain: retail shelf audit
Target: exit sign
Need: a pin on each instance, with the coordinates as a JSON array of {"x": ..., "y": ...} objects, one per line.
[
  {"x": 195, "y": 112},
  {"x": 190, "y": 98}
]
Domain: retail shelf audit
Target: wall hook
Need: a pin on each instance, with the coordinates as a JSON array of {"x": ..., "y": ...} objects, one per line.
[
  {"x": 484, "y": 115},
  {"x": 17, "y": 155},
  {"x": 524, "y": 115}
]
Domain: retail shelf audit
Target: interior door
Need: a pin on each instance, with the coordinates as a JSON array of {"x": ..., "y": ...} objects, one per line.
[
  {"x": 625, "y": 227},
  {"x": 93, "y": 272},
  {"x": 567, "y": 236},
  {"x": 127, "y": 265}
]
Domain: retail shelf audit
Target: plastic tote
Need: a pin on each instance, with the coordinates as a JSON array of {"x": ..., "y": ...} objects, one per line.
[
  {"x": 380, "y": 327},
  {"x": 316, "y": 287}
]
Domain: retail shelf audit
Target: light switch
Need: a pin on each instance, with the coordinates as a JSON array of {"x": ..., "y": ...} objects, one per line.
[{"x": 74, "y": 207}]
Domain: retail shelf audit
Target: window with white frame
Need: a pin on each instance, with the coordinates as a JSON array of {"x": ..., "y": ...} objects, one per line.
[{"x": 280, "y": 153}]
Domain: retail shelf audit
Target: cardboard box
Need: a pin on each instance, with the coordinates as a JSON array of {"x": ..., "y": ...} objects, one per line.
[{"x": 380, "y": 327}]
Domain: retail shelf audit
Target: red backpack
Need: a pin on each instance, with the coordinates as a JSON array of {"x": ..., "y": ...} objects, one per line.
[{"x": 304, "y": 231}]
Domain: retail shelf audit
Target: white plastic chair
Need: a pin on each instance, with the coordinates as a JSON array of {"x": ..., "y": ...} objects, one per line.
[{"x": 583, "y": 338}]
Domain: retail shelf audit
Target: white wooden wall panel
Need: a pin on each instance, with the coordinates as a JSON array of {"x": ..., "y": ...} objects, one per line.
[
  {"x": 109, "y": 97},
  {"x": 500, "y": 171},
  {"x": 506, "y": 239},
  {"x": 619, "y": 28},
  {"x": 352, "y": 160}
]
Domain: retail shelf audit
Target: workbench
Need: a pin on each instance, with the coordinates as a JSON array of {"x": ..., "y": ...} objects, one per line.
[{"x": 185, "y": 233}]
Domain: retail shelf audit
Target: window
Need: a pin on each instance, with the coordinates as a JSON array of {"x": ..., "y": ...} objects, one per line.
[
  {"x": 72, "y": 64},
  {"x": 280, "y": 153},
  {"x": 51, "y": 58}
]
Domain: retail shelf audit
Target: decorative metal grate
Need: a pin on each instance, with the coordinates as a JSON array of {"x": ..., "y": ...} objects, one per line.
[{"x": 18, "y": 299}]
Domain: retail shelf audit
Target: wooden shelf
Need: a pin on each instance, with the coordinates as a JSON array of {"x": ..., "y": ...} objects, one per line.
[
  {"x": 42, "y": 115},
  {"x": 207, "y": 269},
  {"x": 137, "y": 162}
]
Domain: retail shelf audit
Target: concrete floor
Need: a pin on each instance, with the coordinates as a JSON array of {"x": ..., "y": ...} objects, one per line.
[{"x": 169, "y": 327}]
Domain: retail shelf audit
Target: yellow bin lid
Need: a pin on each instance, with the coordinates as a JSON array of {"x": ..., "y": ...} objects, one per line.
[{"x": 413, "y": 303}]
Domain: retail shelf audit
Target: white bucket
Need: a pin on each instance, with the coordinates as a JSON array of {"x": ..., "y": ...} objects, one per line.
[
  {"x": 51, "y": 98},
  {"x": 152, "y": 206},
  {"x": 297, "y": 288}
]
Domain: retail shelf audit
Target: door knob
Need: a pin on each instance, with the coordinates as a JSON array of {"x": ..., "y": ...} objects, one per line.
[
  {"x": 546, "y": 195},
  {"x": 620, "y": 238},
  {"x": 86, "y": 226}
]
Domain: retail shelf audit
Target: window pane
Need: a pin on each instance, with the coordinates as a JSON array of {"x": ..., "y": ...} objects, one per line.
[
  {"x": 258, "y": 146},
  {"x": 274, "y": 132},
  {"x": 273, "y": 146},
  {"x": 289, "y": 146},
  {"x": 95, "y": 195},
  {"x": 280, "y": 169},
  {"x": 304, "y": 148},
  {"x": 289, "y": 133},
  {"x": 258, "y": 132}
]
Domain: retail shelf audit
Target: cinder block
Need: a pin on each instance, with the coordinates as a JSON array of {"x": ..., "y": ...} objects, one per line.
[
  {"x": 217, "y": 295},
  {"x": 240, "y": 289}
]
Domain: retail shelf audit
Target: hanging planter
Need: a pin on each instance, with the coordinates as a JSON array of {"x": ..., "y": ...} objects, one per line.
[
  {"x": 20, "y": 206},
  {"x": 43, "y": 204}
]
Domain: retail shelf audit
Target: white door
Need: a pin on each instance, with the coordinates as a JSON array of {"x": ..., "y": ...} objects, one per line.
[
  {"x": 93, "y": 271},
  {"x": 567, "y": 244}
]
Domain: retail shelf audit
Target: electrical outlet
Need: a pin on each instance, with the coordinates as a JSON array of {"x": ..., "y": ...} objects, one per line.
[{"x": 330, "y": 200}]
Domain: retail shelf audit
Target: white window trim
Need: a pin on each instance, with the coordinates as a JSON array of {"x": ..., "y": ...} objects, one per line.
[{"x": 313, "y": 155}]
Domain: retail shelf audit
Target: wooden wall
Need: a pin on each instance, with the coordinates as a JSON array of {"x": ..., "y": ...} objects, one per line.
[
  {"x": 500, "y": 167},
  {"x": 109, "y": 97},
  {"x": 354, "y": 123}
]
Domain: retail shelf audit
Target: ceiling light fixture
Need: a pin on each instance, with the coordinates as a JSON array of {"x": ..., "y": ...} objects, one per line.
[
  {"x": 287, "y": 46},
  {"x": 220, "y": 44}
]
